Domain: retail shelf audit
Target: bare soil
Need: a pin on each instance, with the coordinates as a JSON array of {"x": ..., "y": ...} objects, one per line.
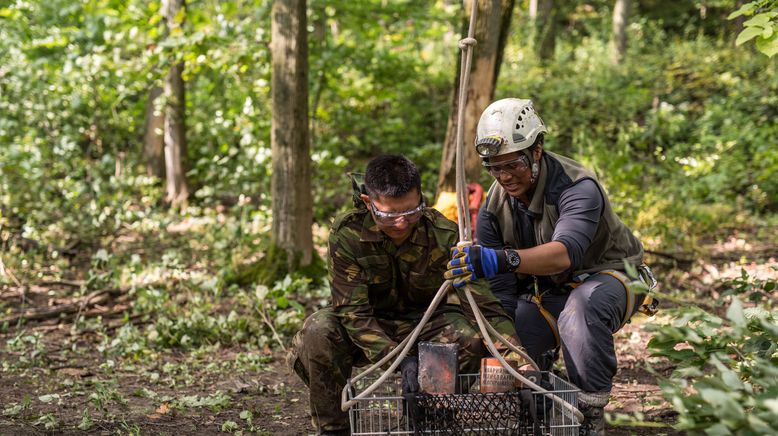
[{"x": 49, "y": 387}]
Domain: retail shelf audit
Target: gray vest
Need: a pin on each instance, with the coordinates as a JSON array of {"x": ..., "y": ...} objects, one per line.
[{"x": 612, "y": 243}]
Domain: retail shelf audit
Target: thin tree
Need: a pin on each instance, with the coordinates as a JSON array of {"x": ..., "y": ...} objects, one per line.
[
  {"x": 153, "y": 141},
  {"x": 175, "y": 116},
  {"x": 292, "y": 202},
  {"x": 618, "y": 47},
  {"x": 491, "y": 32},
  {"x": 543, "y": 19}
]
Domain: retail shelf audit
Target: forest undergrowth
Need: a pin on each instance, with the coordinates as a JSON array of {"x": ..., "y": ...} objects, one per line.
[{"x": 147, "y": 335}]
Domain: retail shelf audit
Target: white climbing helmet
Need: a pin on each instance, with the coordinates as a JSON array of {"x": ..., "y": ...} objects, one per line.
[{"x": 507, "y": 125}]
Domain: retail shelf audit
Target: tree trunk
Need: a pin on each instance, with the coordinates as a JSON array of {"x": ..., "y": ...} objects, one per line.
[
  {"x": 620, "y": 21},
  {"x": 737, "y": 23},
  {"x": 175, "y": 116},
  {"x": 153, "y": 142},
  {"x": 292, "y": 201},
  {"x": 491, "y": 31},
  {"x": 544, "y": 30}
]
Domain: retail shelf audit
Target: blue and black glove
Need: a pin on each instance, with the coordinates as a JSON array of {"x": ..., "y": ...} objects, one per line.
[{"x": 473, "y": 262}]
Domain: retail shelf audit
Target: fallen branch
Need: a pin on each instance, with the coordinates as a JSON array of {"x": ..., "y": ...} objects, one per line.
[
  {"x": 670, "y": 256},
  {"x": 76, "y": 307},
  {"x": 74, "y": 284}
]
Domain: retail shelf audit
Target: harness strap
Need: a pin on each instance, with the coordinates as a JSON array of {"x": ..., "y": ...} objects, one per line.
[
  {"x": 537, "y": 299},
  {"x": 648, "y": 305},
  {"x": 629, "y": 309}
]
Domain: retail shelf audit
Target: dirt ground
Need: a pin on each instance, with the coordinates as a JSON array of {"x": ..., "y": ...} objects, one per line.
[
  {"x": 60, "y": 382},
  {"x": 67, "y": 382},
  {"x": 277, "y": 399}
]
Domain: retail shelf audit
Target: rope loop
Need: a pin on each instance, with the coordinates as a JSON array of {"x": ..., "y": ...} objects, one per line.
[{"x": 467, "y": 42}]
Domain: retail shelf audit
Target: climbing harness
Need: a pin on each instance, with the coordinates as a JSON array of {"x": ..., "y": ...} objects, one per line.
[
  {"x": 465, "y": 234},
  {"x": 648, "y": 306}
]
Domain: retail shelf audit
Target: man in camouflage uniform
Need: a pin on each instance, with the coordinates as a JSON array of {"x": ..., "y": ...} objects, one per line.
[{"x": 386, "y": 262}]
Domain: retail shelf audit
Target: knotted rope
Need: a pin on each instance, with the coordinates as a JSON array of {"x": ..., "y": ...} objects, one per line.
[{"x": 463, "y": 213}]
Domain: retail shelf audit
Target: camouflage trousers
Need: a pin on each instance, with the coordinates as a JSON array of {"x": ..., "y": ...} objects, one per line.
[{"x": 323, "y": 355}]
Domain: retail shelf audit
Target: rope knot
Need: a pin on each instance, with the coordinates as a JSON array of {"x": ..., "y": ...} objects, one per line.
[{"x": 467, "y": 42}]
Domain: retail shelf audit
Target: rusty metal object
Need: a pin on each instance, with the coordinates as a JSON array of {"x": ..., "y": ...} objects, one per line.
[
  {"x": 438, "y": 367},
  {"x": 495, "y": 378}
]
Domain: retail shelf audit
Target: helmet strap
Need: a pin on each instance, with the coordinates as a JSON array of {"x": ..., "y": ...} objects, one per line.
[{"x": 535, "y": 167}]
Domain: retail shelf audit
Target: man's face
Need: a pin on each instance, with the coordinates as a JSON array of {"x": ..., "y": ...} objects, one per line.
[
  {"x": 512, "y": 171},
  {"x": 396, "y": 217}
]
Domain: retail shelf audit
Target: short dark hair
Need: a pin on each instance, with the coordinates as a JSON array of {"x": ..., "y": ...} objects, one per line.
[
  {"x": 539, "y": 140},
  {"x": 391, "y": 175}
]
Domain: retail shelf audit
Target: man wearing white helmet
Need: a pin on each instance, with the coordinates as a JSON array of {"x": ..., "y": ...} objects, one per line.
[{"x": 553, "y": 251}]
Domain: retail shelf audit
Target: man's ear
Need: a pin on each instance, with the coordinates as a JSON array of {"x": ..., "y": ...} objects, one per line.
[
  {"x": 366, "y": 199},
  {"x": 538, "y": 152}
]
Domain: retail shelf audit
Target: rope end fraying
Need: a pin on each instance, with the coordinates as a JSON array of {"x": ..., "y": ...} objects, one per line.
[{"x": 467, "y": 42}]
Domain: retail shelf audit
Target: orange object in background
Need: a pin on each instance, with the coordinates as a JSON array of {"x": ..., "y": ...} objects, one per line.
[{"x": 447, "y": 204}]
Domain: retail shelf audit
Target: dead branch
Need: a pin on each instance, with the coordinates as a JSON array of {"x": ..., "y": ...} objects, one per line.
[
  {"x": 93, "y": 299},
  {"x": 70, "y": 283},
  {"x": 671, "y": 256}
]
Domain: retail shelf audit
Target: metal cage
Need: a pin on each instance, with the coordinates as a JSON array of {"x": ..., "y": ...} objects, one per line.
[{"x": 468, "y": 412}]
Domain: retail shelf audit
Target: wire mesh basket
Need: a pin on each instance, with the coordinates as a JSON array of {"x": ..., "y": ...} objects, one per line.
[{"x": 468, "y": 412}]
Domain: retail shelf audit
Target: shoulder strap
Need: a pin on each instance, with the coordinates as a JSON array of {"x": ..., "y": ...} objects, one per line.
[{"x": 358, "y": 188}]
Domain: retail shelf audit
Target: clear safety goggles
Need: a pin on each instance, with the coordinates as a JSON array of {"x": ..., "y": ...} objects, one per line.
[
  {"x": 514, "y": 167},
  {"x": 410, "y": 216}
]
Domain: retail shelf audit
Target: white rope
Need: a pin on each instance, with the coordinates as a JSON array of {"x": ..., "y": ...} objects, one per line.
[
  {"x": 463, "y": 213},
  {"x": 479, "y": 317},
  {"x": 466, "y": 45},
  {"x": 405, "y": 346}
]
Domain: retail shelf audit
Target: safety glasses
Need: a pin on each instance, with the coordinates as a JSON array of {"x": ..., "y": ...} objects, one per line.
[
  {"x": 514, "y": 167},
  {"x": 391, "y": 218}
]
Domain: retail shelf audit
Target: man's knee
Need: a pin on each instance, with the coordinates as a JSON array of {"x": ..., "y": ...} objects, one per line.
[
  {"x": 322, "y": 340},
  {"x": 593, "y": 303}
]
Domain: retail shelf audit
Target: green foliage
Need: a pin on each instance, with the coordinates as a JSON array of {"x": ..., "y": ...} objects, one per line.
[
  {"x": 753, "y": 289},
  {"x": 762, "y": 26},
  {"x": 725, "y": 379}
]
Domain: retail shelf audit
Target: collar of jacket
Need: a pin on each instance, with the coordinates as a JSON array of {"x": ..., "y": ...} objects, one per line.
[{"x": 371, "y": 233}]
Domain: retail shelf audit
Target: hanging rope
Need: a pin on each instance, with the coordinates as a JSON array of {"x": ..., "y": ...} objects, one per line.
[
  {"x": 463, "y": 213},
  {"x": 466, "y": 46}
]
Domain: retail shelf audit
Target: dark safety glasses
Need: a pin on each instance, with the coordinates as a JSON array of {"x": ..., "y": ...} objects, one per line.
[
  {"x": 514, "y": 167},
  {"x": 389, "y": 218}
]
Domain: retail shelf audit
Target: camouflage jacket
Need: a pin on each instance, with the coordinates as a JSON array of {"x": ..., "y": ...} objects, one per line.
[{"x": 372, "y": 279}]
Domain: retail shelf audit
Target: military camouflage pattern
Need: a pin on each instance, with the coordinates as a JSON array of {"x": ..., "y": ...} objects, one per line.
[
  {"x": 371, "y": 278},
  {"x": 379, "y": 293}
]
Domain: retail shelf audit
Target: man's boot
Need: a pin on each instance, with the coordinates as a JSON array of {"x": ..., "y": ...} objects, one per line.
[{"x": 591, "y": 405}]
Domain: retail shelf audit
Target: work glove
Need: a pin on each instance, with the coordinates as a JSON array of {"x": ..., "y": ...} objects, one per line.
[
  {"x": 472, "y": 262},
  {"x": 409, "y": 369}
]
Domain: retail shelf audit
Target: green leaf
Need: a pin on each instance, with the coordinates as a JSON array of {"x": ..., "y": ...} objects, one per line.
[
  {"x": 768, "y": 47},
  {"x": 758, "y": 20},
  {"x": 229, "y": 426},
  {"x": 735, "y": 313},
  {"x": 746, "y": 9},
  {"x": 48, "y": 398},
  {"x": 772, "y": 405},
  {"x": 748, "y": 34},
  {"x": 718, "y": 429}
]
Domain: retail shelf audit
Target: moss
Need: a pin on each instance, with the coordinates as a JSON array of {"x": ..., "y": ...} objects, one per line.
[{"x": 274, "y": 266}]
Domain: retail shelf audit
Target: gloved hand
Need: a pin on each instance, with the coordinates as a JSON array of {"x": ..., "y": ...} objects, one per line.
[
  {"x": 409, "y": 369},
  {"x": 472, "y": 262}
]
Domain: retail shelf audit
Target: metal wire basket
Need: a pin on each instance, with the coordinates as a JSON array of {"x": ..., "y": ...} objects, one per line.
[{"x": 468, "y": 412}]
